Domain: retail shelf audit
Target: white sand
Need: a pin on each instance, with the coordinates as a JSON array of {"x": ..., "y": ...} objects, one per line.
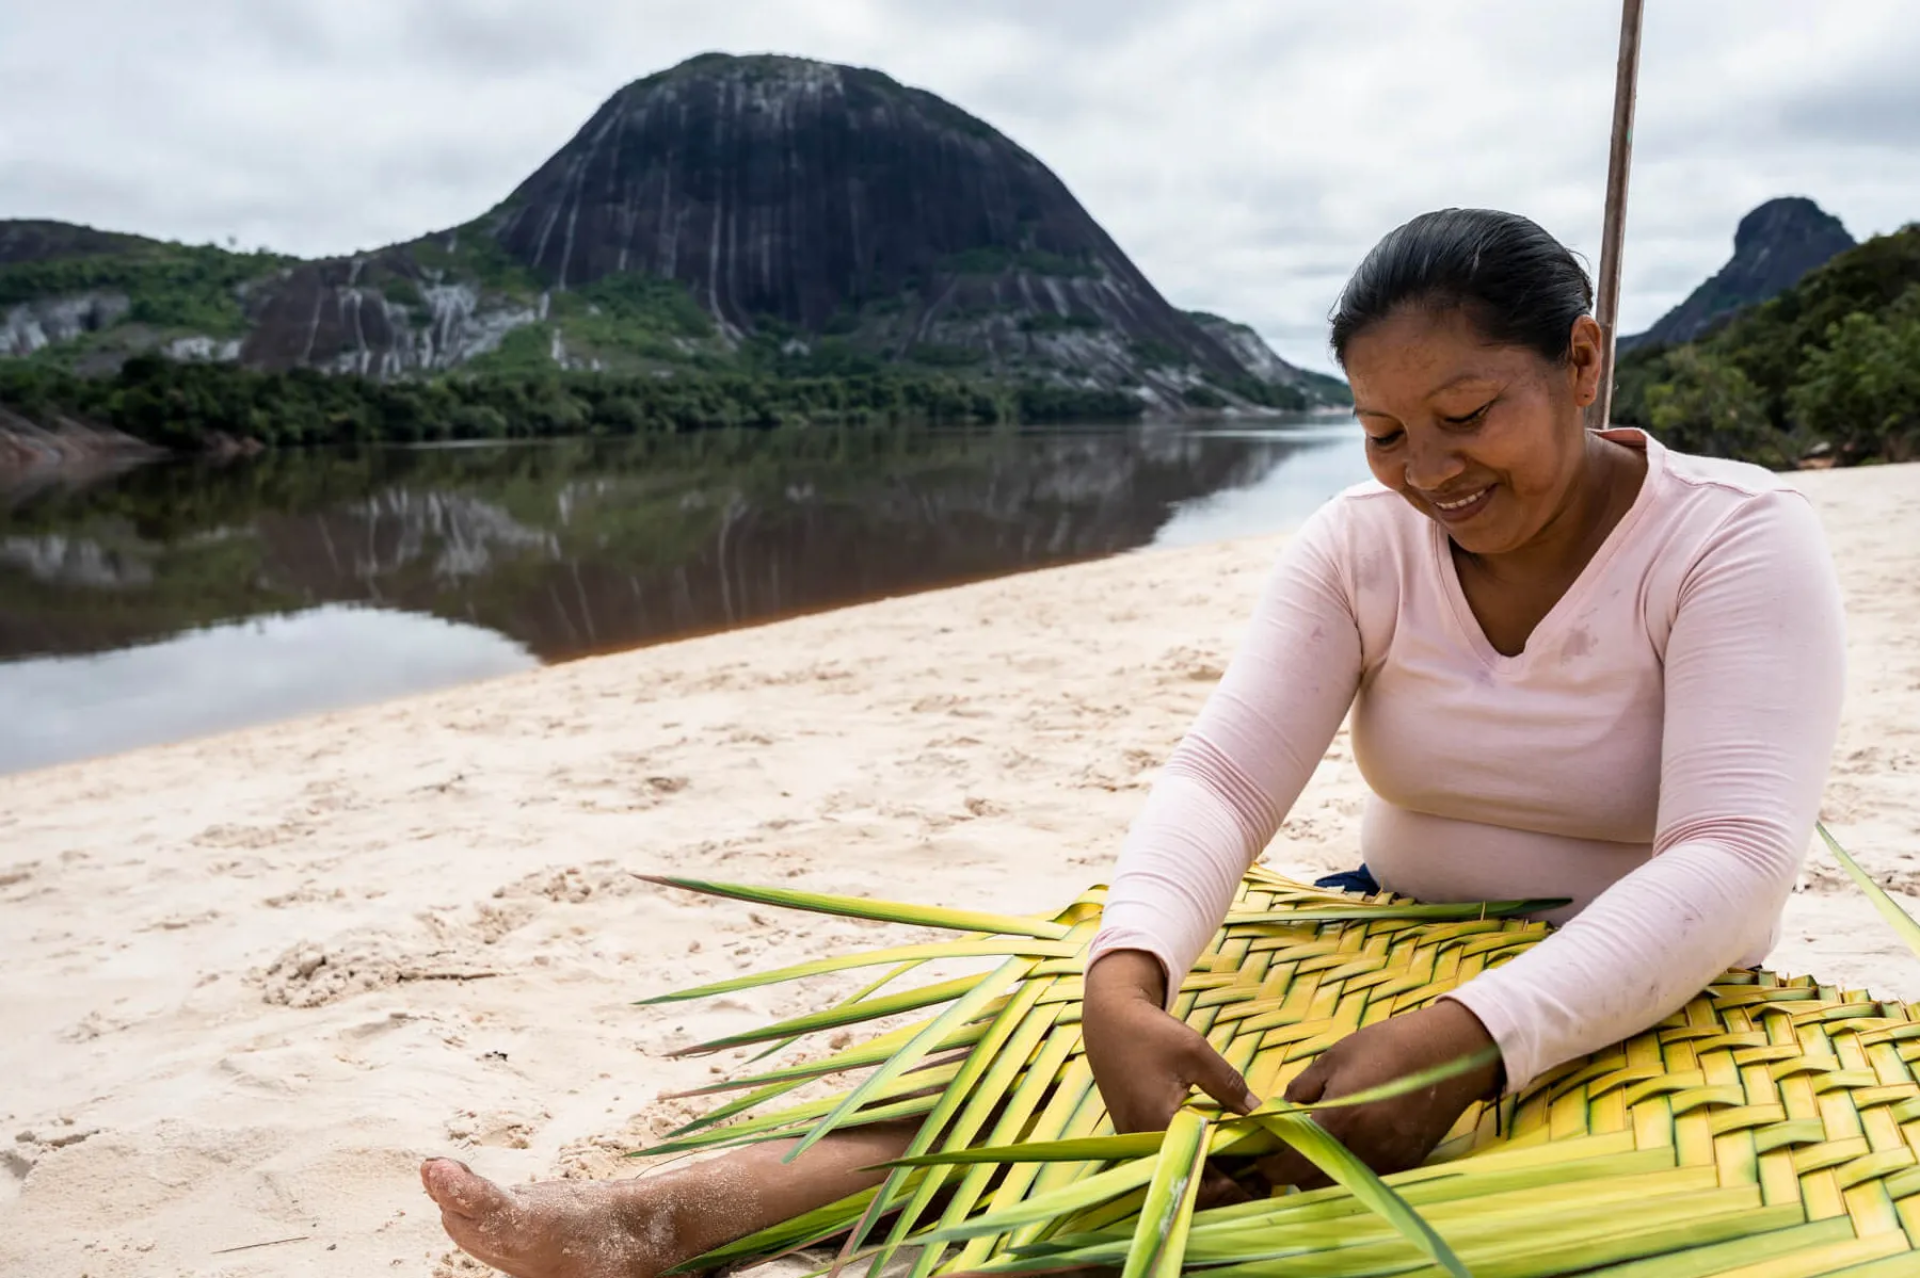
[{"x": 247, "y": 983}]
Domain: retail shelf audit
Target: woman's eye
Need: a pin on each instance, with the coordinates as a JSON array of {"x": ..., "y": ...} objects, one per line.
[
  {"x": 1385, "y": 441},
  {"x": 1470, "y": 418}
]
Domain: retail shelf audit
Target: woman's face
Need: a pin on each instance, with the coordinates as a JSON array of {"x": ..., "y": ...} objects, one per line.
[{"x": 1486, "y": 440}]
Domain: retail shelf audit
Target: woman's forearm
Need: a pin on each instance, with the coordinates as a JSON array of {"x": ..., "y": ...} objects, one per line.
[{"x": 1231, "y": 780}]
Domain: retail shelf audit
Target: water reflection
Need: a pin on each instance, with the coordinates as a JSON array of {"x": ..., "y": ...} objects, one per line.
[
  {"x": 230, "y": 676},
  {"x": 391, "y": 570},
  {"x": 1278, "y": 498}
]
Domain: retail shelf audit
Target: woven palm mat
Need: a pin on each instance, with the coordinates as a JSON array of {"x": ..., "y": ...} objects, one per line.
[{"x": 1770, "y": 1127}]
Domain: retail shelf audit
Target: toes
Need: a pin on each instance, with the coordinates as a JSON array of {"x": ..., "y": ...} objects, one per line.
[
  {"x": 468, "y": 1237},
  {"x": 460, "y": 1192},
  {"x": 427, "y": 1173}
]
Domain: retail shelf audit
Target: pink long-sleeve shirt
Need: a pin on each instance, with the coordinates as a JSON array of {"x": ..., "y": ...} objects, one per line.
[{"x": 1656, "y": 753}]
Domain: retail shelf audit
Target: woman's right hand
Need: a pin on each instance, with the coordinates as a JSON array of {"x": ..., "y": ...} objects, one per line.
[{"x": 1144, "y": 1061}]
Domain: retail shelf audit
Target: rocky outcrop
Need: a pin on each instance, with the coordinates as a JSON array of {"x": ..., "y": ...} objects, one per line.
[
  {"x": 347, "y": 316},
  {"x": 197, "y": 347},
  {"x": 1252, "y": 353},
  {"x": 1774, "y": 246},
  {"x": 34, "y": 325}
]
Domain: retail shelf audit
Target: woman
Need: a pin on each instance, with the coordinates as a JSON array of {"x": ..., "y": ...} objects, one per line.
[{"x": 1578, "y": 666}]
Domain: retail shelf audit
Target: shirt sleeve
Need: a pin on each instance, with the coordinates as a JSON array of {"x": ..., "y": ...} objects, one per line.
[
  {"x": 1229, "y": 783},
  {"x": 1754, "y": 683}
]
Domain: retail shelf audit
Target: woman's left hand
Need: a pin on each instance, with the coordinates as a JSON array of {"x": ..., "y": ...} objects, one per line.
[{"x": 1391, "y": 1135}]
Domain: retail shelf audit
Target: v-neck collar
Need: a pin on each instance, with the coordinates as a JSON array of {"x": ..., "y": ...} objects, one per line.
[{"x": 1469, "y": 625}]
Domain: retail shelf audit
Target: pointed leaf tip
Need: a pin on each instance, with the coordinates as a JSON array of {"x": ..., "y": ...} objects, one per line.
[{"x": 1890, "y": 909}]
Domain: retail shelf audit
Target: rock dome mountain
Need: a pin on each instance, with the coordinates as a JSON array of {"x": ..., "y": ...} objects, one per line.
[{"x": 765, "y": 212}]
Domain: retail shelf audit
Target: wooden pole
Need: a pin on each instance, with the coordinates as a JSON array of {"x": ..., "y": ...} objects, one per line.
[{"x": 1613, "y": 235}]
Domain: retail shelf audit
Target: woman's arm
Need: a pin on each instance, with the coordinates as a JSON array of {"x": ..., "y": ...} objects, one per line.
[
  {"x": 1229, "y": 783},
  {"x": 1754, "y": 681}
]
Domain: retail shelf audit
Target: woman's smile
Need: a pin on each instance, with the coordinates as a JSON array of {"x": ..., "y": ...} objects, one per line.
[{"x": 1463, "y": 507}]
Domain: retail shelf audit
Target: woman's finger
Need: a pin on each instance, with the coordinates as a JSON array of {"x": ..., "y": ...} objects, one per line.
[
  {"x": 1311, "y": 1084},
  {"x": 1212, "y": 1075},
  {"x": 1217, "y": 1189}
]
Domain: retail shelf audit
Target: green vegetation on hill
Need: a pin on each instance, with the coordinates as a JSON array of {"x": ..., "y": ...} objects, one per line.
[
  {"x": 622, "y": 354},
  {"x": 644, "y": 301},
  {"x": 1832, "y": 363},
  {"x": 1286, "y": 399},
  {"x": 994, "y": 261},
  {"x": 1306, "y": 386},
  {"x": 467, "y": 254},
  {"x": 1054, "y": 322},
  {"x": 171, "y": 286},
  {"x": 1329, "y": 389},
  {"x": 186, "y": 405}
]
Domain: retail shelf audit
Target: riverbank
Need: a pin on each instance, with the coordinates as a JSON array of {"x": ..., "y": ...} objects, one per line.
[
  {"x": 28, "y": 449},
  {"x": 250, "y": 981}
]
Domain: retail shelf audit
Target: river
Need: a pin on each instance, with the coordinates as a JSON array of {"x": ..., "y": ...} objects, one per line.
[{"x": 182, "y": 598}]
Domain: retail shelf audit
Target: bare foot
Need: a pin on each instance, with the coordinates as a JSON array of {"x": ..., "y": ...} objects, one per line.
[{"x": 560, "y": 1229}]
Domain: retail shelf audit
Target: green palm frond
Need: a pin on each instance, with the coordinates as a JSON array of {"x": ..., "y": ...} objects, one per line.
[
  {"x": 1890, "y": 910},
  {"x": 1769, "y": 1127}
]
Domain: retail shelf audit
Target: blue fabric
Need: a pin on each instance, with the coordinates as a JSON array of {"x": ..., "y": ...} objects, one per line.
[{"x": 1360, "y": 881}]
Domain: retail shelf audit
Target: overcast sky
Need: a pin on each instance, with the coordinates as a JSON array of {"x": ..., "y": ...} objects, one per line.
[{"x": 1245, "y": 153}]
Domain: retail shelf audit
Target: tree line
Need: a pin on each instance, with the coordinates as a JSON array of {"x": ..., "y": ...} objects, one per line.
[
  {"x": 186, "y": 405},
  {"x": 1830, "y": 367}
]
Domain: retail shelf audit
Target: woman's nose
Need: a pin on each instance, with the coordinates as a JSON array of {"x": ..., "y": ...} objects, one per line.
[{"x": 1431, "y": 463}]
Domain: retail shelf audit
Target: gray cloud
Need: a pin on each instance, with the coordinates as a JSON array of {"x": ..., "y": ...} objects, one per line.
[
  {"x": 1245, "y": 154},
  {"x": 1881, "y": 113},
  {"x": 513, "y": 38}
]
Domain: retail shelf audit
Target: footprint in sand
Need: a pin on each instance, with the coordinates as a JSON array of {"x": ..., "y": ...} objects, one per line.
[
  {"x": 495, "y": 1128},
  {"x": 249, "y": 867},
  {"x": 91, "y": 1026},
  {"x": 181, "y": 922},
  {"x": 305, "y": 894},
  {"x": 448, "y": 945},
  {"x": 614, "y": 792},
  {"x": 497, "y": 921},
  {"x": 15, "y": 1163},
  {"x": 574, "y": 884},
  {"x": 252, "y": 836},
  {"x": 318, "y": 973}
]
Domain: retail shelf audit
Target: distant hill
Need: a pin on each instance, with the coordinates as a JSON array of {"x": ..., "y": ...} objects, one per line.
[
  {"x": 1774, "y": 246},
  {"x": 1251, "y": 351},
  {"x": 757, "y": 215},
  {"x": 1827, "y": 372}
]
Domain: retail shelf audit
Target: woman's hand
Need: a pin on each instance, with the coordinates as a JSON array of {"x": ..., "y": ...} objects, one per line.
[
  {"x": 1144, "y": 1061},
  {"x": 1391, "y": 1135}
]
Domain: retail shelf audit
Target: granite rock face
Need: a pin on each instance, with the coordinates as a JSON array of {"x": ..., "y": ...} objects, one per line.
[
  {"x": 801, "y": 190},
  {"x": 379, "y": 316},
  {"x": 31, "y": 326},
  {"x": 1775, "y": 245}
]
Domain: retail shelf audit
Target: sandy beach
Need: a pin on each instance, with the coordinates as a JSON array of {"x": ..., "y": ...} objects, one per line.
[{"x": 249, "y": 982}]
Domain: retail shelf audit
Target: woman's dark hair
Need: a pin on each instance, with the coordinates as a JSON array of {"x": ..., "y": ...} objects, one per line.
[{"x": 1519, "y": 285}]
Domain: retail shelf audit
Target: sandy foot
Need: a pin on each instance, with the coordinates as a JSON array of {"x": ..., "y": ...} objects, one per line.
[{"x": 561, "y": 1229}]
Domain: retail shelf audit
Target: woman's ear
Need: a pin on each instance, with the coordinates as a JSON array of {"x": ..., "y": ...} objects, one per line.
[{"x": 1583, "y": 360}]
